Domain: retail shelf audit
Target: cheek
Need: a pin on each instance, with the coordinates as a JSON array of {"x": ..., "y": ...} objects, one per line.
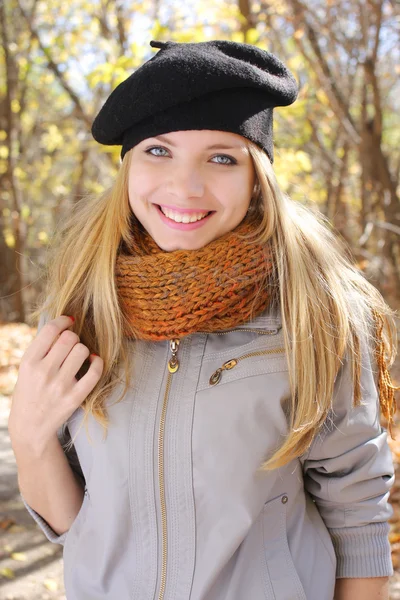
[
  {"x": 141, "y": 184},
  {"x": 235, "y": 193}
]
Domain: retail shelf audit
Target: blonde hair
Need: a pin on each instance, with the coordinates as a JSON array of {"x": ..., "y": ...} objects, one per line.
[
  {"x": 325, "y": 301},
  {"x": 326, "y": 304}
]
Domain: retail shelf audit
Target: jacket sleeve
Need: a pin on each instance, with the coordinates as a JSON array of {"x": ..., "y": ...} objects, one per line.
[
  {"x": 348, "y": 471},
  {"x": 73, "y": 460}
]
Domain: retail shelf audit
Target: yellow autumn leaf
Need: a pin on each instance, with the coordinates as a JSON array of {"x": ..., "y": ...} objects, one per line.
[
  {"x": 20, "y": 173},
  {"x": 15, "y": 106},
  {"x": 27, "y": 120},
  {"x": 10, "y": 242},
  {"x": 52, "y": 138},
  {"x": 322, "y": 97},
  {"x": 22, "y": 61},
  {"x": 252, "y": 36},
  {"x": 237, "y": 36},
  {"x": 18, "y": 556},
  {"x": 8, "y": 573},
  {"x": 43, "y": 237},
  {"x": 303, "y": 160},
  {"x": 51, "y": 584}
]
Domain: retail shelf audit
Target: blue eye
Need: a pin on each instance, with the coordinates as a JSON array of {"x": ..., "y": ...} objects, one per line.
[
  {"x": 149, "y": 150},
  {"x": 226, "y": 160},
  {"x": 231, "y": 160}
]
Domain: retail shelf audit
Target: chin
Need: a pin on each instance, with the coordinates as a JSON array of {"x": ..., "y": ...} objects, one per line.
[
  {"x": 182, "y": 245},
  {"x": 173, "y": 247}
]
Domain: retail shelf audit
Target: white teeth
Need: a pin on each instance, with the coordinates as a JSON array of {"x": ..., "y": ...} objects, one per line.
[{"x": 183, "y": 218}]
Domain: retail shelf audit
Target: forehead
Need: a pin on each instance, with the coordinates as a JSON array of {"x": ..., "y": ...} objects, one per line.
[{"x": 203, "y": 137}]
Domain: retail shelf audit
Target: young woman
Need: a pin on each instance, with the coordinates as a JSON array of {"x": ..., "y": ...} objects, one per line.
[{"x": 224, "y": 441}]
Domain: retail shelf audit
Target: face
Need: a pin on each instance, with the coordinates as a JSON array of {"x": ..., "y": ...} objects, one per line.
[{"x": 187, "y": 188}]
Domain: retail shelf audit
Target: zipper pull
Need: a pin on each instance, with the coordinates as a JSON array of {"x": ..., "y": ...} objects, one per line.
[
  {"x": 216, "y": 377},
  {"x": 173, "y": 363}
]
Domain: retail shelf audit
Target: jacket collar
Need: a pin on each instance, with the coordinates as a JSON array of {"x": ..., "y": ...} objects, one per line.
[{"x": 269, "y": 319}]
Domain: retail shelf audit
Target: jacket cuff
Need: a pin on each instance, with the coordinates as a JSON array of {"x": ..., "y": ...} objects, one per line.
[
  {"x": 362, "y": 551},
  {"x": 51, "y": 535}
]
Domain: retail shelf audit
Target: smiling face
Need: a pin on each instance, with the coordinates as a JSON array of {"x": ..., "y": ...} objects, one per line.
[{"x": 188, "y": 188}]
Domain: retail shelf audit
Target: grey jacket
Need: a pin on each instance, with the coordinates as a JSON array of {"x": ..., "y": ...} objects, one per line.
[{"x": 174, "y": 508}]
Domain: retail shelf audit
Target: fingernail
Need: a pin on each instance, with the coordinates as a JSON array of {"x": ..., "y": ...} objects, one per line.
[
  {"x": 93, "y": 354},
  {"x": 73, "y": 318}
]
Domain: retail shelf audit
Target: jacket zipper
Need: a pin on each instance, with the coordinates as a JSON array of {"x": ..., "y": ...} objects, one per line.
[
  {"x": 173, "y": 366},
  {"x": 230, "y": 364}
]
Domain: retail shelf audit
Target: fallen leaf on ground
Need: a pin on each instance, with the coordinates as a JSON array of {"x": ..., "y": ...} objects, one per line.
[
  {"x": 6, "y": 523},
  {"x": 51, "y": 584},
  {"x": 8, "y": 573},
  {"x": 18, "y": 556}
]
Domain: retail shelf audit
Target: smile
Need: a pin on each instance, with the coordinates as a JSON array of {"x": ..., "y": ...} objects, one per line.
[
  {"x": 182, "y": 217},
  {"x": 183, "y": 221}
]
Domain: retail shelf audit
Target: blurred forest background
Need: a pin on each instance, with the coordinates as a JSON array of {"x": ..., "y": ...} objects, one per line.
[{"x": 337, "y": 148}]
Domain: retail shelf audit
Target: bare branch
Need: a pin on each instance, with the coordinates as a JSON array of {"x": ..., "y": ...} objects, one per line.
[
  {"x": 56, "y": 70},
  {"x": 322, "y": 68}
]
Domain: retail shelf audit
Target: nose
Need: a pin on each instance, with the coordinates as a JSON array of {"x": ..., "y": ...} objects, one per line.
[{"x": 185, "y": 182}]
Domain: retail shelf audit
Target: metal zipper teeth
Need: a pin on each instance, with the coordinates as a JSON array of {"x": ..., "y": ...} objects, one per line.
[
  {"x": 173, "y": 366},
  {"x": 230, "y": 364},
  {"x": 261, "y": 331}
]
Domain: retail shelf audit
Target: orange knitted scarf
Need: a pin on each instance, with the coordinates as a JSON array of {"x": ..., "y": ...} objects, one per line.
[{"x": 171, "y": 294}]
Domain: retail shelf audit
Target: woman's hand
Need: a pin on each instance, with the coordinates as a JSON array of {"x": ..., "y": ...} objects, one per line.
[
  {"x": 372, "y": 588},
  {"x": 47, "y": 391}
]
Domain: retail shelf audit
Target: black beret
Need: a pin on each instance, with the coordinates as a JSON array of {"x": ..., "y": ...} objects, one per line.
[{"x": 220, "y": 85}]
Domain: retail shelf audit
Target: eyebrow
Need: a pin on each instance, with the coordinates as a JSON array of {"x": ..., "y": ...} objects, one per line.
[{"x": 164, "y": 138}]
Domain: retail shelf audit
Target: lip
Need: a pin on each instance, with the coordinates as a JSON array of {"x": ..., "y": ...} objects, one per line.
[
  {"x": 182, "y": 226},
  {"x": 182, "y": 211}
]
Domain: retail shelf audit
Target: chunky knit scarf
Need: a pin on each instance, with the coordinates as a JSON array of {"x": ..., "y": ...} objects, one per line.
[{"x": 172, "y": 294}]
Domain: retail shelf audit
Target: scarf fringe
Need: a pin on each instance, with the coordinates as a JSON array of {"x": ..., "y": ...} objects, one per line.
[{"x": 385, "y": 386}]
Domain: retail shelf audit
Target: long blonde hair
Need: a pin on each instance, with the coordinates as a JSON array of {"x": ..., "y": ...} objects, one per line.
[{"x": 325, "y": 301}]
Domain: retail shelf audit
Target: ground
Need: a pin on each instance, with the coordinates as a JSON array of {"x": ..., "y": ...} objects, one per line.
[{"x": 30, "y": 566}]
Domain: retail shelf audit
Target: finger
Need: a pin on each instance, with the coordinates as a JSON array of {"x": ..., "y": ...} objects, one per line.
[
  {"x": 46, "y": 337},
  {"x": 87, "y": 382},
  {"x": 73, "y": 361},
  {"x": 61, "y": 349}
]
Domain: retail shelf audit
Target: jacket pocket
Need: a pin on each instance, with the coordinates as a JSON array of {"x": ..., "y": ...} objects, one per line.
[
  {"x": 260, "y": 359},
  {"x": 282, "y": 581},
  {"x": 73, "y": 533},
  {"x": 231, "y": 363}
]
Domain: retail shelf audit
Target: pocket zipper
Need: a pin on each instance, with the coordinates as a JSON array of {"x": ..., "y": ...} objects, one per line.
[
  {"x": 261, "y": 331},
  {"x": 229, "y": 364}
]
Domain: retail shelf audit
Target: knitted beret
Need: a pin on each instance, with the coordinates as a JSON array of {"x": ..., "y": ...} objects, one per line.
[{"x": 219, "y": 85}]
